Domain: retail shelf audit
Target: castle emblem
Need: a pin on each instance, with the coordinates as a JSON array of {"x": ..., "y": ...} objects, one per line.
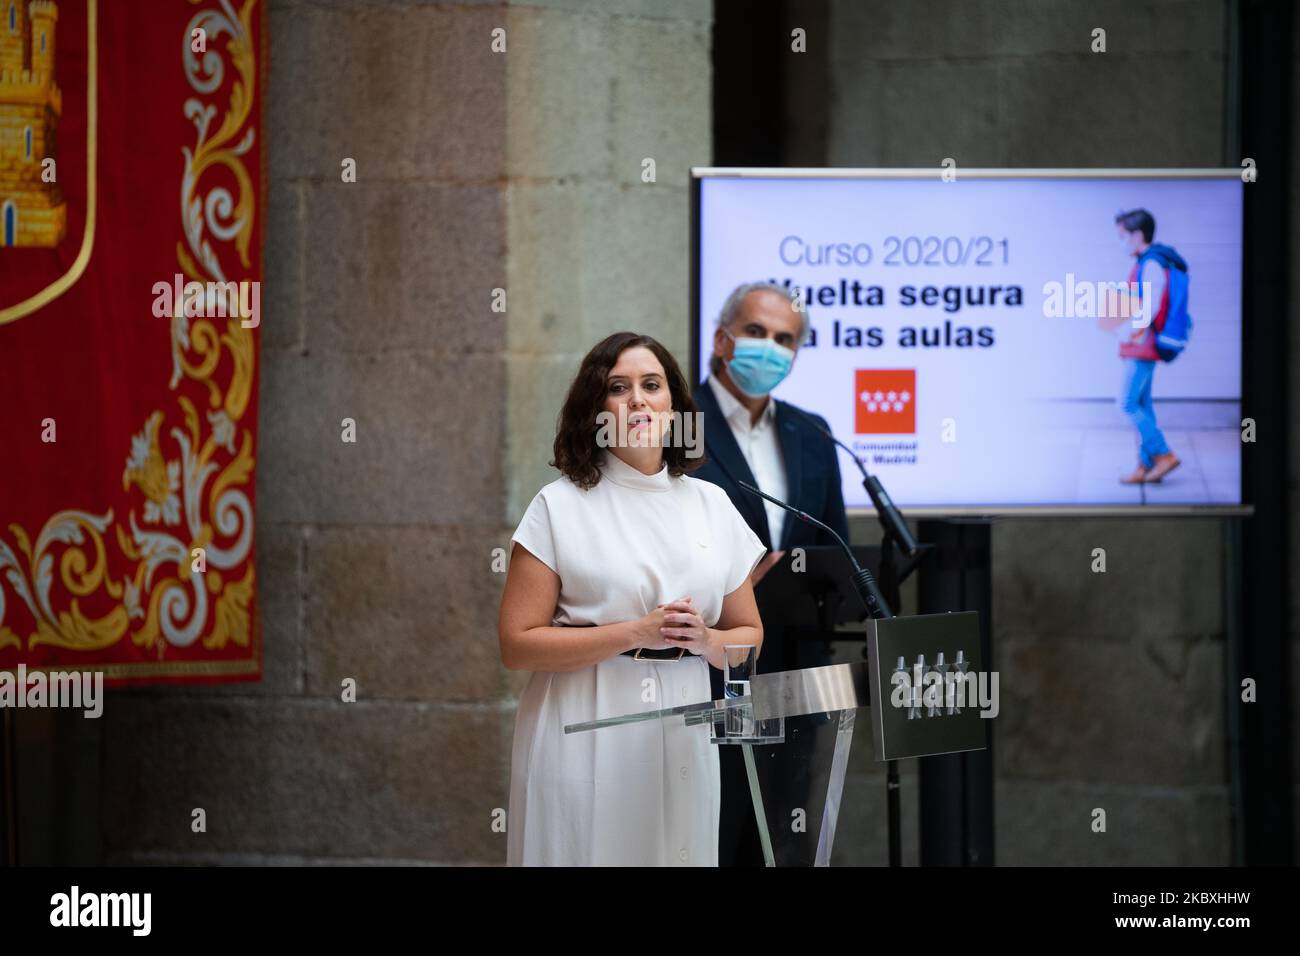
[{"x": 32, "y": 210}]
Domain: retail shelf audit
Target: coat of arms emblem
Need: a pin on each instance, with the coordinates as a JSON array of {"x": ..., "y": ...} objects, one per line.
[{"x": 32, "y": 210}]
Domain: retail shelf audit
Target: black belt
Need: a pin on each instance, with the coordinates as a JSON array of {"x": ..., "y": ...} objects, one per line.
[{"x": 667, "y": 654}]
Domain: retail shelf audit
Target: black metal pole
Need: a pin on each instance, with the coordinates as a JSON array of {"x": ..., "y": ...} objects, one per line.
[
  {"x": 1263, "y": 653},
  {"x": 956, "y": 790},
  {"x": 1232, "y": 657},
  {"x": 889, "y": 587}
]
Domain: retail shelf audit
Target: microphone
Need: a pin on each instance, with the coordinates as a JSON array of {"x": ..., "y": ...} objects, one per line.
[
  {"x": 892, "y": 519},
  {"x": 863, "y": 581}
]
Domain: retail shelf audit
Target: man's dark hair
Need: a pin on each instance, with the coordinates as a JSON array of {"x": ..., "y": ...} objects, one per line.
[
  {"x": 1138, "y": 219},
  {"x": 576, "y": 453}
]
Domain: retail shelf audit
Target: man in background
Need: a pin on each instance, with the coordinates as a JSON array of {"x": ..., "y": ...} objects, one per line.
[{"x": 750, "y": 436}]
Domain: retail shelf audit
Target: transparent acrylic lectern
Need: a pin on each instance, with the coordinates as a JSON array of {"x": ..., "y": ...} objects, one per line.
[{"x": 796, "y": 729}]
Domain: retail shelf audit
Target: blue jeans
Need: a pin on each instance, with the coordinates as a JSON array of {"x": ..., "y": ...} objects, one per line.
[{"x": 1136, "y": 401}]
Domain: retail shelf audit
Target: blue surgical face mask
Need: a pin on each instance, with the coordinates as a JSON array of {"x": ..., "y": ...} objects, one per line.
[{"x": 758, "y": 365}]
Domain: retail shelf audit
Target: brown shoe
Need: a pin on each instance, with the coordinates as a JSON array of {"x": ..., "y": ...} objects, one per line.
[
  {"x": 1164, "y": 464},
  {"x": 1137, "y": 477}
]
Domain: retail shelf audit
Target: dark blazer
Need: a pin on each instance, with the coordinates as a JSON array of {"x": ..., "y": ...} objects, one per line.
[{"x": 812, "y": 473}]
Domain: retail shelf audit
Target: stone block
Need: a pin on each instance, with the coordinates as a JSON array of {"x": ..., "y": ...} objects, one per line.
[
  {"x": 429, "y": 434},
  {"x": 1082, "y": 116},
  {"x": 403, "y": 266},
  {"x": 408, "y": 91},
  {"x": 603, "y": 268},
  {"x": 561, "y": 69},
  {"x": 406, "y": 612},
  {"x": 1103, "y": 713},
  {"x": 1044, "y": 587},
  {"x": 1042, "y": 823},
  {"x": 309, "y": 777},
  {"x": 660, "y": 102},
  {"x": 283, "y": 289}
]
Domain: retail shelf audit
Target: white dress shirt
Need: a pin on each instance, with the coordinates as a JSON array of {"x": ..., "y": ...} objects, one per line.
[{"x": 761, "y": 447}]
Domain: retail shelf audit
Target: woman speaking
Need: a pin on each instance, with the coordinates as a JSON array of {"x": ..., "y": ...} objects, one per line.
[{"x": 626, "y": 579}]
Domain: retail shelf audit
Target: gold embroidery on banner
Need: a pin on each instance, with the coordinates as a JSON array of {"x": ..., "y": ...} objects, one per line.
[
  {"x": 69, "y": 629},
  {"x": 232, "y": 614}
]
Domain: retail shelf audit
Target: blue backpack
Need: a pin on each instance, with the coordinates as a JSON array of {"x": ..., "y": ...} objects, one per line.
[{"x": 1172, "y": 334}]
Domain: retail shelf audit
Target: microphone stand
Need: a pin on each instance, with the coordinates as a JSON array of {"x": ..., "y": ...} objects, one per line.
[
  {"x": 863, "y": 582},
  {"x": 891, "y": 519},
  {"x": 895, "y": 530},
  {"x": 884, "y": 595},
  {"x": 878, "y": 607}
]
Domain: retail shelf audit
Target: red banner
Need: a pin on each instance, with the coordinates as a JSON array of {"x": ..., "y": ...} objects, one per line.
[{"x": 132, "y": 188}]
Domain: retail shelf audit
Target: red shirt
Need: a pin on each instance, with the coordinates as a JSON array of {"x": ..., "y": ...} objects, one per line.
[{"x": 1141, "y": 344}]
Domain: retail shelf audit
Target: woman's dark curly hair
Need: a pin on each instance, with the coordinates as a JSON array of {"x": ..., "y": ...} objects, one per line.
[{"x": 576, "y": 453}]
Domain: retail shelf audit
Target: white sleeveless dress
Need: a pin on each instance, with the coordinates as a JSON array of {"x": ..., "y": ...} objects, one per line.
[{"x": 644, "y": 794}]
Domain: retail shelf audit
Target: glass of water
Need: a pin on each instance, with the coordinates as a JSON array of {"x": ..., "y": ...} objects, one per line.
[{"x": 740, "y": 660}]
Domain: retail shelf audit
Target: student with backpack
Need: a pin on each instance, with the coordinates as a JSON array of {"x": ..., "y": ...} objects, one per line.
[{"x": 1160, "y": 272}]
